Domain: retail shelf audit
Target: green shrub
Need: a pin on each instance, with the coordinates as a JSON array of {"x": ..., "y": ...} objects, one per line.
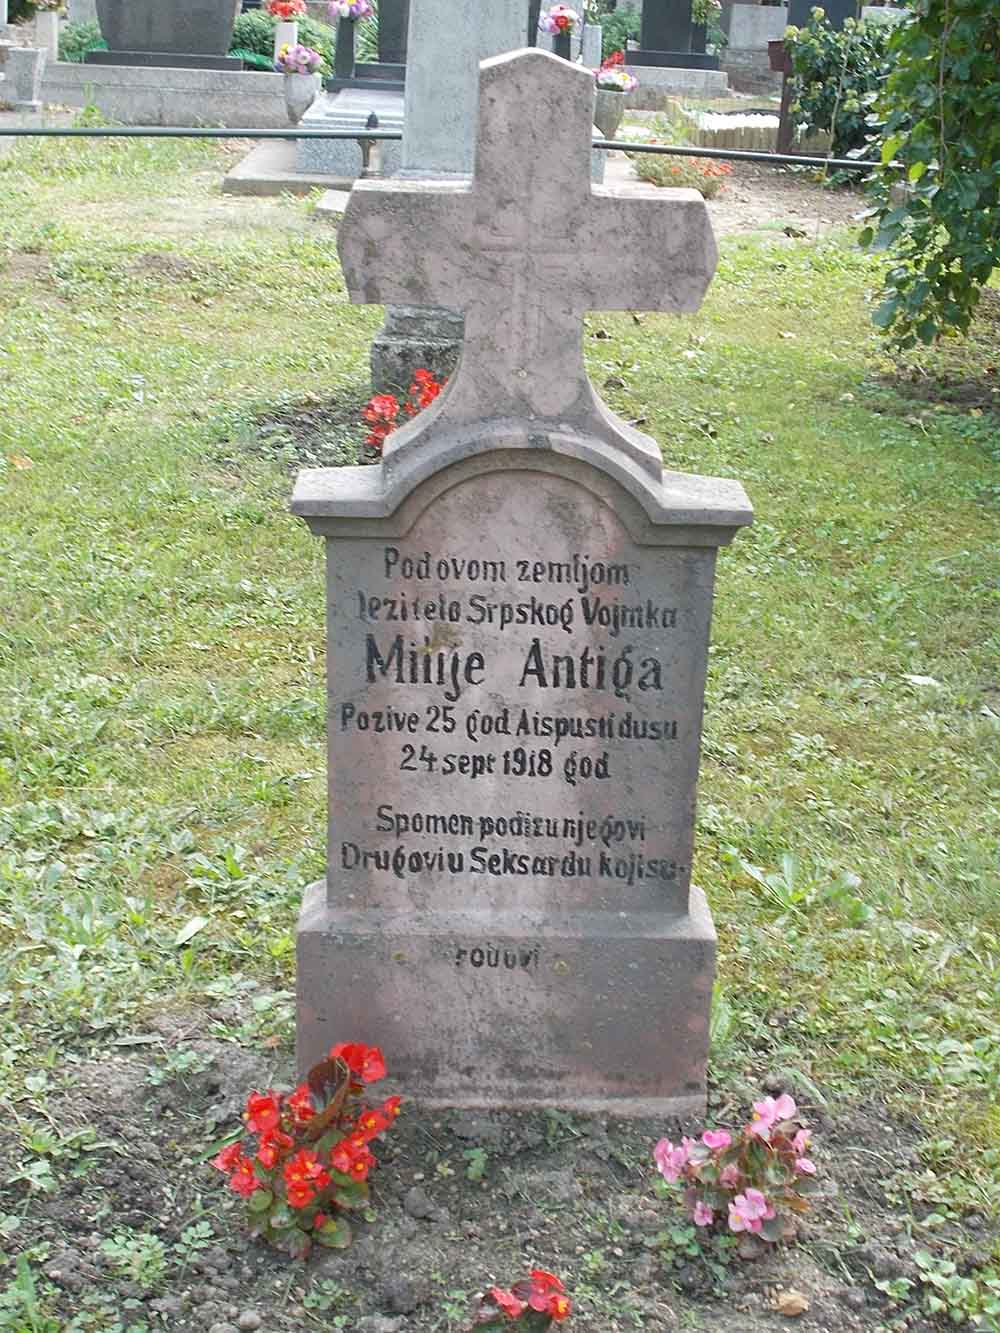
[
  {"x": 617, "y": 28},
  {"x": 253, "y": 35},
  {"x": 837, "y": 77},
  {"x": 936, "y": 192},
  {"x": 76, "y": 39}
]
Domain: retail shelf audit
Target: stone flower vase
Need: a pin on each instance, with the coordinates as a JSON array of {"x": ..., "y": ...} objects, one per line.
[
  {"x": 301, "y": 90},
  {"x": 174, "y": 27},
  {"x": 285, "y": 34},
  {"x": 609, "y": 107},
  {"x": 25, "y": 67}
]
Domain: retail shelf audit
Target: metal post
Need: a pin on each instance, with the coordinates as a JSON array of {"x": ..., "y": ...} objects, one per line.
[{"x": 534, "y": 10}]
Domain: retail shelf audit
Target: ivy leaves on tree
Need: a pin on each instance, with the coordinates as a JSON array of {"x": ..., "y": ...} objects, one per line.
[{"x": 936, "y": 193}]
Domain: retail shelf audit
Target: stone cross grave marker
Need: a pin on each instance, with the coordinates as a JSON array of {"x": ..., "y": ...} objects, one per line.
[{"x": 519, "y": 600}]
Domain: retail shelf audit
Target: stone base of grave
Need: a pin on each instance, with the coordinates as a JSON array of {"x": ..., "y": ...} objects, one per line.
[
  {"x": 350, "y": 110},
  {"x": 163, "y": 60},
  {"x": 413, "y": 338},
  {"x": 749, "y": 71},
  {"x": 673, "y": 59},
  {"x": 145, "y": 95},
  {"x": 657, "y": 83},
  {"x": 596, "y": 1012}
]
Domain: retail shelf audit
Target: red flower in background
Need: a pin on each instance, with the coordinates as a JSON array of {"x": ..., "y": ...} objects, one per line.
[{"x": 382, "y": 411}]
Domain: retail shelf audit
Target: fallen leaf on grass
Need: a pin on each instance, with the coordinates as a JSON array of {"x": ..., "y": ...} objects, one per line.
[
  {"x": 21, "y": 461},
  {"x": 791, "y": 1303},
  {"x": 922, "y": 680},
  {"x": 189, "y": 931}
]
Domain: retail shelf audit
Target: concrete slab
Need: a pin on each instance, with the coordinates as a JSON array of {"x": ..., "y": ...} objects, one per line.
[
  {"x": 332, "y": 204},
  {"x": 138, "y": 95},
  {"x": 659, "y": 82},
  {"x": 269, "y": 169},
  {"x": 350, "y": 110}
]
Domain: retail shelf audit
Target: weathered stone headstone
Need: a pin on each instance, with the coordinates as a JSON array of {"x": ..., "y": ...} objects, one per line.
[{"x": 519, "y": 600}]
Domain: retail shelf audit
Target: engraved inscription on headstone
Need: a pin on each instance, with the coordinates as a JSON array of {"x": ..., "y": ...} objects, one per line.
[{"x": 519, "y": 601}]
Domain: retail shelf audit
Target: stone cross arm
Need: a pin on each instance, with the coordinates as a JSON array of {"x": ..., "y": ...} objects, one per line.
[
  {"x": 524, "y": 249},
  {"x": 431, "y": 243}
]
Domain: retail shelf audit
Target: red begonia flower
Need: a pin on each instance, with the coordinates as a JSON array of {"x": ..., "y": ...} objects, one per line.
[
  {"x": 229, "y": 1158},
  {"x": 300, "y": 1194},
  {"x": 341, "y": 1155},
  {"x": 304, "y": 1176},
  {"x": 271, "y": 1146},
  {"x": 263, "y": 1112},
  {"x": 507, "y": 1302},
  {"x": 244, "y": 1181},
  {"x": 370, "y": 1124},
  {"x": 300, "y": 1103},
  {"x": 365, "y": 1062},
  {"x": 543, "y": 1287},
  {"x": 559, "y": 1307},
  {"x": 390, "y": 1107},
  {"x": 361, "y": 1164}
]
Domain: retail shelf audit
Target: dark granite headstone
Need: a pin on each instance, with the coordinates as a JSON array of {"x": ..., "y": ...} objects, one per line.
[
  {"x": 175, "y": 27},
  {"x": 393, "y": 22},
  {"x": 388, "y": 73},
  {"x": 836, "y": 11},
  {"x": 670, "y": 37}
]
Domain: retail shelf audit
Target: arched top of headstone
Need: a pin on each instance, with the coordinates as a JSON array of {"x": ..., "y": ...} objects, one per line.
[{"x": 524, "y": 249}]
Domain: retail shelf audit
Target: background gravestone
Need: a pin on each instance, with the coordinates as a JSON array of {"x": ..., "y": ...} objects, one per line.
[
  {"x": 835, "y": 12},
  {"x": 518, "y": 604},
  {"x": 439, "y": 139},
  {"x": 670, "y": 37},
  {"x": 182, "y": 33}
]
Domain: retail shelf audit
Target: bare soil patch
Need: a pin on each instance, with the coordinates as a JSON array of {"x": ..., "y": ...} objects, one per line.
[
  {"x": 572, "y": 1194},
  {"x": 945, "y": 374}
]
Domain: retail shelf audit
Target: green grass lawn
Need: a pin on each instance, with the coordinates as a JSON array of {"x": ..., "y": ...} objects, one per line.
[{"x": 162, "y": 643}]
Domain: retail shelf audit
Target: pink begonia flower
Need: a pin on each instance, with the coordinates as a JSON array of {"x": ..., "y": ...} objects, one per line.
[
  {"x": 716, "y": 1138},
  {"x": 729, "y": 1176},
  {"x": 749, "y": 1211},
  {"x": 671, "y": 1161},
  {"x": 805, "y": 1167},
  {"x": 703, "y": 1215},
  {"x": 769, "y": 1112},
  {"x": 802, "y": 1140}
]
